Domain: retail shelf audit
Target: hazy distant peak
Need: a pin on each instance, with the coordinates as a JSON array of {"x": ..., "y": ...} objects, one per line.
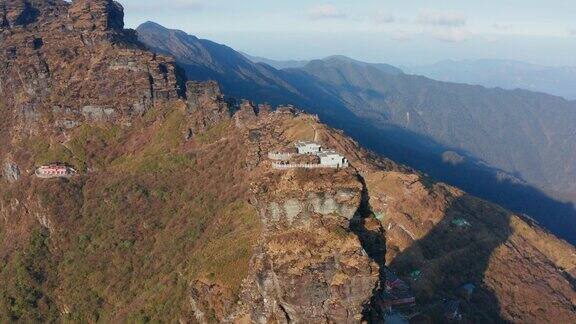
[
  {"x": 277, "y": 64},
  {"x": 506, "y": 74},
  {"x": 382, "y": 67},
  {"x": 336, "y": 60},
  {"x": 152, "y": 25},
  {"x": 340, "y": 58}
]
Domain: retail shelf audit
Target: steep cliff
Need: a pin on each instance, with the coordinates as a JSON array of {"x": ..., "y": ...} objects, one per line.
[
  {"x": 65, "y": 62},
  {"x": 176, "y": 213},
  {"x": 162, "y": 226}
]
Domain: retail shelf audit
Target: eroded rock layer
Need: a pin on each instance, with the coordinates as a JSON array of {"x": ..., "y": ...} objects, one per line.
[
  {"x": 176, "y": 213},
  {"x": 65, "y": 62}
]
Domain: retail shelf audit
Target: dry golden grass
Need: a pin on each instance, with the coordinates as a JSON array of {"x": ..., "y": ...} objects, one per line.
[
  {"x": 560, "y": 252},
  {"x": 226, "y": 246},
  {"x": 152, "y": 217},
  {"x": 299, "y": 128}
]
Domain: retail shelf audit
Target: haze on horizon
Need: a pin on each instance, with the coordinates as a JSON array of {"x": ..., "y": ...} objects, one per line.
[{"x": 393, "y": 31}]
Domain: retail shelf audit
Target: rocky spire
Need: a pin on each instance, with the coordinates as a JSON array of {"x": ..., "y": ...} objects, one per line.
[
  {"x": 96, "y": 19},
  {"x": 78, "y": 59},
  {"x": 97, "y": 15},
  {"x": 15, "y": 13}
]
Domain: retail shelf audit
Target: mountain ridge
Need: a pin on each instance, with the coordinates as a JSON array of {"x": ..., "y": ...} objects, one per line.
[
  {"x": 210, "y": 61},
  {"x": 416, "y": 120},
  {"x": 279, "y": 65},
  {"x": 176, "y": 212},
  {"x": 507, "y": 74}
]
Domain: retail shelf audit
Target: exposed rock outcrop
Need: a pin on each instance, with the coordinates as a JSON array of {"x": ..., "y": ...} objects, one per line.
[
  {"x": 103, "y": 16},
  {"x": 200, "y": 227},
  {"x": 206, "y": 104},
  {"x": 309, "y": 266},
  {"x": 60, "y": 58},
  {"x": 246, "y": 112},
  {"x": 17, "y": 13},
  {"x": 11, "y": 172}
]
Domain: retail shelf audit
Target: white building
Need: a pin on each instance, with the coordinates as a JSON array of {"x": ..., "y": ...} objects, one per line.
[
  {"x": 308, "y": 147},
  {"x": 55, "y": 171},
  {"x": 333, "y": 159},
  {"x": 328, "y": 158}
]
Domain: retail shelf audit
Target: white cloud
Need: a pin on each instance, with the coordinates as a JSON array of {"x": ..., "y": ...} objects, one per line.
[
  {"x": 326, "y": 11},
  {"x": 441, "y": 18},
  {"x": 503, "y": 27},
  {"x": 451, "y": 35},
  {"x": 401, "y": 35},
  {"x": 446, "y": 26},
  {"x": 572, "y": 31},
  {"x": 383, "y": 17}
]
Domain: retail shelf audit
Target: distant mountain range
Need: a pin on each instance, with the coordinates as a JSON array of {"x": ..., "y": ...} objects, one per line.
[
  {"x": 280, "y": 65},
  {"x": 276, "y": 63},
  {"x": 176, "y": 212},
  {"x": 512, "y": 147},
  {"x": 505, "y": 74},
  {"x": 206, "y": 60}
]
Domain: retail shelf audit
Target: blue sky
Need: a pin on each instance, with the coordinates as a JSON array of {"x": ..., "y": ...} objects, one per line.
[{"x": 393, "y": 31}]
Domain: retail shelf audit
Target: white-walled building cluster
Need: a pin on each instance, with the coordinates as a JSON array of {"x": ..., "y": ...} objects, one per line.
[{"x": 327, "y": 158}]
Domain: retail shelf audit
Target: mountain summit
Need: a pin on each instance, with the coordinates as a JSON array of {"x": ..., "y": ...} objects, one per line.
[
  {"x": 74, "y": 61},
  {"x": 206, "y": 60},
  {"x": 506, "y": 74},
  {"x": 385, "y": 68},
  {"x": 125, "y": 199},
  {"x": 514, "y": 148}
]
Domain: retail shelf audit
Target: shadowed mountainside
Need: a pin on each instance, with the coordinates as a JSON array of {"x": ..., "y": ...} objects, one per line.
[
  {"x": 175, "y": 213},
  {"x": 206, "y": 60},
  {"x": 524, "y": 133}
]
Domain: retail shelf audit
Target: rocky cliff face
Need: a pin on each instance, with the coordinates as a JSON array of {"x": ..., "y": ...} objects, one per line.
[
  {"x": 65, "y": 63},
  {"x": 309, "y": 266},
  {"x": 206, "y": 103},
  {"x": 522, "y": 161},
  {"x": 177, "y": 215},
  {"x": 158, "y": 219},
  {"x": 307, "y": 263},
  {"x": 100, "y": 16}
]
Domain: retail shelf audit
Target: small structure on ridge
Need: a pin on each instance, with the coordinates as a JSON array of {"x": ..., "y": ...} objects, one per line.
[
  {"x": 332, "y": 158},
  {"x": 308, "y": 147},
  {"x": 396, "y": 292},
  {"x": 308, "y": 155},
  {"x": 55, "y": 171}
]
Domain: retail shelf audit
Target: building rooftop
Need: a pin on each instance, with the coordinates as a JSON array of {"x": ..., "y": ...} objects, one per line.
[
  {"x": 328, "y": 153},
  {"x": 303, "y": 143}
]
